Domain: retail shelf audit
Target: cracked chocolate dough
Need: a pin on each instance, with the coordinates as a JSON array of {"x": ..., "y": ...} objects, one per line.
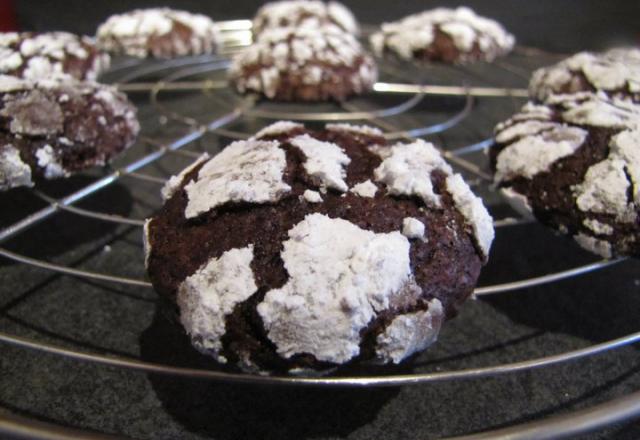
[
  {"x": 44, "y": 55},
  {"x": 442, "y": 34},
  {"x": 304, "y": 64},
  {"x": 616, "y": 73},
  {"x": 574, "y": 161},
  {"x": 53, "y": 128},
  {"x": 159, "y": 33},
  {"x": 297, "y": 251}
]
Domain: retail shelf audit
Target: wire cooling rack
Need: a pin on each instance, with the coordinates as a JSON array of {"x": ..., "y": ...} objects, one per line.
[{"x": 189, "y": 109}]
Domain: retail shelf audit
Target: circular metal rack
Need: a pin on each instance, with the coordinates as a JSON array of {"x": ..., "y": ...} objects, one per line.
[{"x": 194, "y": 75}]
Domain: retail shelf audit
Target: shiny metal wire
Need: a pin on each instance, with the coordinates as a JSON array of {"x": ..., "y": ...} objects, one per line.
[{"x": 237, "y": 34}]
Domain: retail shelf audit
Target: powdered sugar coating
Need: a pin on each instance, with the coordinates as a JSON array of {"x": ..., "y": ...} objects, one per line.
[
  {"x": 146, "y": 241},
  {"x": 325, "y": 162},
  {"x": 209, "y": 295},
  {"x": 365, "y": 189},
  {"x": 312, "y": 196},
  {"x": 13, "y": 171},
  {"x": 615, "y": 72},
  {"x": 50, "y": 163},
  {"x": 536, "y": 153},
  {"x": 605, "y": 189},
  {"x": 406, "y": 170},
  {"x": 158, "y": 32},
  {"x": 341, "y": 276},
  {"x": 306, "y": 64},
  {"x": 277, "y": 128},
  {"x": 473, "y": 36},
  {"x": 174, "y": 182},
  {"x": 357, "y": 129},
  {"x": 474, "y": 212},
  {"x": 412, "y": 228},
  {"x": 518, "y": 201},
  {"x": 245, "y": 171},
  {"x": 598, "y": 227},
  {"x": 304, "y": 13},
  {"x": 592, "y": 244},
  {"x": 624, "y": 146},
  {"x": 410, "y": 333},
  {"x": 596, "y": 109},
  {"x": 43, "y": 55}
]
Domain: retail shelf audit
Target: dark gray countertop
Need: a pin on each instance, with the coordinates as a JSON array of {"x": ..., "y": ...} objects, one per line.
[{"x": 120, "y": 320}]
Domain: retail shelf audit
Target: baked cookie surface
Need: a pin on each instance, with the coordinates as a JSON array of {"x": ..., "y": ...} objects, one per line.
[
  {"x": 56, "y": 127},
  {"x": 301, "y": 250},
  {"x": 304, "y": 64},
  {"x": 574, "y": 161},
  {"x": 442, "y": 34},
  {"x": 616, "y": 72},
  {"x": 159, "y": 33},
  {"x": 43, "y": 55},
  {"x": 304, "y": 13}
]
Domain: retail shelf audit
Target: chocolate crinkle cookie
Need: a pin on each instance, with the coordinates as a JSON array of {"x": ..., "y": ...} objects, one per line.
[
  {"x": 159, "y": 33},
  {"x": 299, "y": 251},
  {"x": 304, "y": 13},
  {"x": 574, "y": 161},
  {"x": 43, "y": 55},
  {"x": 442, "y": 34},
  {"x": 616, "y": 72},
  {"x": 304, "y": 64},
  {"x": 56, "y": 127}
]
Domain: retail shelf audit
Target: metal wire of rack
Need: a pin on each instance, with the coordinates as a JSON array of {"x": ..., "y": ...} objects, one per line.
[{"x": 179, "y": 76}]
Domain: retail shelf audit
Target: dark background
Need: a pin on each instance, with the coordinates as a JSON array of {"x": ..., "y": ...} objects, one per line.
[{"x": 559, "y": 25}]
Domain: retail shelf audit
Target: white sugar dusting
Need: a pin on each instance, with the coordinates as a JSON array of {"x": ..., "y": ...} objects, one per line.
[
  {"x": 245, "y": 171},
  {"x": 412, "y": 228},
  {"x": 626, "y": 147},
  {"x": 519, "y": 202},
  {"x": 410, "y": 333},
  {"x": 211, "y": 293},
  {"x": 365, "y": 189},
  {"x": 146, "y": 241},
  {"x": 312, "y": 196},
  {"x": 474, "y": 212},
  {"x": 536, "y": 153},
  {"x": 280, "y": 127},
  {"x": 358, "y": 129},
  {"x": 182, "y": 33},
  {"x": 597, "y": 110},
  {"x": 340, "y": 277},
  {"x": 13, "y": 171},
  {"x": 406, "y": 170},
  {"x": 325, "y": 162},
  {"x": 598, "y": 227},
  {"x": 599, "y": 247},
  {"x": 11, "y": 84},
  {"x": 604, "y": 191},
  {"x": 507, "y": 134},
  {"x": 173, "y": 184},
  {"x": 48, "y": 160}
]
